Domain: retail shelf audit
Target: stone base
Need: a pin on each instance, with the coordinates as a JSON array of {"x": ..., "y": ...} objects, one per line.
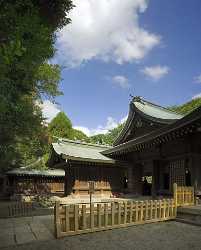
[{"x": 190, "y": 215}]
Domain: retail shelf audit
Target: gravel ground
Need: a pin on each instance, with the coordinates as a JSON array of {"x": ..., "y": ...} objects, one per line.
[{"x": 165, "y": 235}]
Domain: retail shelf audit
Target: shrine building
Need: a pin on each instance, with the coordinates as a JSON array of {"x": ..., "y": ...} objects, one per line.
[{"x": 156, "y": 148}]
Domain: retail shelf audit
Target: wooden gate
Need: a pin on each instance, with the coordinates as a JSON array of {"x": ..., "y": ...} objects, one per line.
[
  {"x": 81, "y": 218},
  {"x": 183, "y": 196}
]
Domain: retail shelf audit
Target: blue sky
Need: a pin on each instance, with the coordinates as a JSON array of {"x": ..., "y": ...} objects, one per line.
[{"x": 114, "y": 48}]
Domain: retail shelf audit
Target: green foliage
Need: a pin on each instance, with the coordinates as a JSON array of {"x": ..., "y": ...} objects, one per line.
[
  {"x": 27, "y": 36},
  {"x": 107, "y": 138},
  {"x": 48, "y": 78},
  {"x": 187, "y": 107},
  {"x": 79, "y": 135},
  {"x": 60, "y": 126}
]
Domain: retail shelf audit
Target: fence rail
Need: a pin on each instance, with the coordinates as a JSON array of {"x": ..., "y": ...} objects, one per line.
[
  {"x": 184, "y": 196},
  {"x": 82, "y": 218},
  {"x": 19, "y": 209}
]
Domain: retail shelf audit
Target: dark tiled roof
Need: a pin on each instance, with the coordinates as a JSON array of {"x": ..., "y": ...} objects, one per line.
[
  {"x": 149, "y": 111},
  {"x": 80, "y": 151},
  {"x": 188, "y": 122}
]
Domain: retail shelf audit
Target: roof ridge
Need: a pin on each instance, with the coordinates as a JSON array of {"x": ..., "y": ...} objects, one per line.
[
  {"x": 83, "y": 143},
  {"x": 140, "y": 99}
]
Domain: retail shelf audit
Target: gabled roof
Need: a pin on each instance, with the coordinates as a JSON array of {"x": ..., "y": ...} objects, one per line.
[
  {"x": 184, "y": 126},
  {"x": 34, "y": 172},
  {"x": 80, "y": 151},
  {"x": 149, "y": 112},
  {"x": 155, "y": 111}
]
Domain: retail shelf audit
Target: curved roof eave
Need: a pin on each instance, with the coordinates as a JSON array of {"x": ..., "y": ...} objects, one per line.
[
  {"x": 152, "y": 112},
  {"x": 192, "y": 117}
]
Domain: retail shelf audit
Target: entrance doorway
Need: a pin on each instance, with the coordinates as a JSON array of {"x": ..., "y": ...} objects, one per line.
[
  {"x": 188, "y": 177},
  {"x": 146, "y": 185}
]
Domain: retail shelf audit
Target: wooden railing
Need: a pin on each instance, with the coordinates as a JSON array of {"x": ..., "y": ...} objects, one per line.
[
  {"x": 19, "y": 209},
  {"x": 83, "y": 218},
  {"x": 183, "y": 196}
]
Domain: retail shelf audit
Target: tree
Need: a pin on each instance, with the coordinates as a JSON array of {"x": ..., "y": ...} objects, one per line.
[
  {"x": 107, "y": 138},
  {"x": 79, "y": 135},
  {"x": 187, "y": 107},
  {"x": 60, "y": 126},
  {"x": 27, "y": 37}
]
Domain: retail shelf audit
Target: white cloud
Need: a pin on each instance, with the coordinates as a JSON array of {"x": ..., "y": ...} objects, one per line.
[
  {"x": 49, "y": 110},
  {"x": 121, "y": 81},
  {"x": 155, "y": 72},
  {"x": 123, "y": 119},
  {"x": 110, "y": 124},
  {"x": 105, "y": 29},
  {"x": 197, "y": 96},
  {"x": 198, "y": 79},
  {"x": 85, "y": 130}
]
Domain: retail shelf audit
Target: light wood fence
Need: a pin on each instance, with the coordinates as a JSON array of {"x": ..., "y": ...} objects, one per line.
[
  {"x": 184, "y": 196},
  {"x": 81, "y": 218}
]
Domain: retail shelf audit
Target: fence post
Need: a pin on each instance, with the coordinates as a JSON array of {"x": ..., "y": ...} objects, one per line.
[
  {"x": 175, "y": 193},
  {"x": 141, "y": 210},
  {"x": 76, "y": 217},
  {"x": 92, "y": 215},
  {"x": 125, "y": 212},
  {"x": 106, "y": 214},
  {"x": 193, "y": 196},
  {"x": 67, "y": 218},
  {"x": 57, "y": 219},
  {"x": 151, "y": 209},
  {"x": 84, "y": 223},
  {"x": 146, "y": 210},
  {"x": 136, "y": 211},
  {"x": 119, "y": 213},
  {"x": 131, "y": 212},
  {"x": 99, "y": 215},
  {"x": 112, "y": 213}
]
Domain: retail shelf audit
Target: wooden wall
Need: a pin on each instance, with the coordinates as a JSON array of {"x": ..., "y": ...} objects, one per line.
[
  {"x": 108, "y": 180},
  {"x": 36, "y": 185}
]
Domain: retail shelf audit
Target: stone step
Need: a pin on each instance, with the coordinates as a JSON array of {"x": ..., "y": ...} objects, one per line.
[
  {"x": 189, "y": 215},
  {"x": 186, "y": 221}
]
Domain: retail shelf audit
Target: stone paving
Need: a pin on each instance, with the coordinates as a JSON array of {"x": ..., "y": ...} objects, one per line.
[
  {"x": 37, "y": 234},
  {"x": 15, "y": 231}
]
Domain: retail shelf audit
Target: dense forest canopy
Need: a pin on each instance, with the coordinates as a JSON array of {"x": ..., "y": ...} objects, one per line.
[{"x": 27, "y": 38}]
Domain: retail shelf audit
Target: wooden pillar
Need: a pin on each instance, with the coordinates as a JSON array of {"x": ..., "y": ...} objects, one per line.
[
  {"x": 101, "y": 181},
  {"x": 196, "y": 172},
  {"x": 66, "y": 182},
  {"x": 154, "y": 178},
  {"x": 137, "y": 178},
  {"x": 130, "y": 179},
  {"x": 68, "y": 179}
]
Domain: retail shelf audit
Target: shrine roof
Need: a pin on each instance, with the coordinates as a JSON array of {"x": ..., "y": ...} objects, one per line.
[
  {"x": 34, "y": 172},
  {"x": 186, "y": 125},
  {"x": 155, "y": 110},
  {"x": 81, "y": 151},
  {"x": 148, "y": 111}
]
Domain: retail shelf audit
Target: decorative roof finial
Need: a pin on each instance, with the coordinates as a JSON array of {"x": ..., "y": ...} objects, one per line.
[{"x": 137, "y": 99}]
